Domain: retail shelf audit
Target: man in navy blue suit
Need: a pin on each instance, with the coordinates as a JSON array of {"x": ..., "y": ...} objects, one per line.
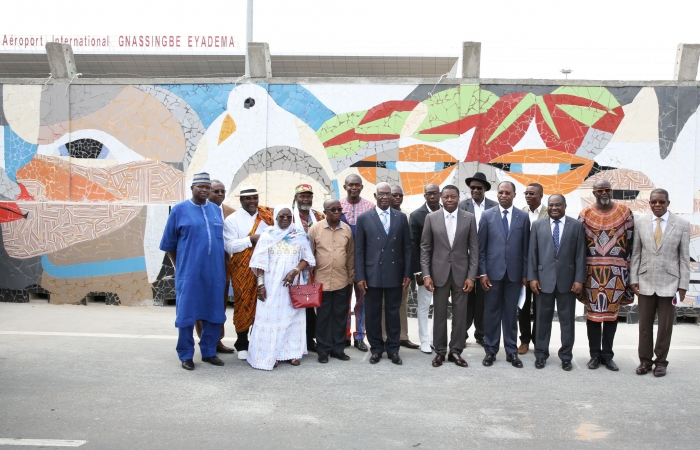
[
  {"x": 382, "y": 270},
  {"x": 504, "y": 236}
]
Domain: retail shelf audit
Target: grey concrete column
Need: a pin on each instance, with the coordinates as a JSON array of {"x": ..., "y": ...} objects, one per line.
[
  {"x": 61, "y": 60},
  {"x": 259, "y": 60},
  {"x": 471, "y": 59},
  {"x": 687, "y": 56}
]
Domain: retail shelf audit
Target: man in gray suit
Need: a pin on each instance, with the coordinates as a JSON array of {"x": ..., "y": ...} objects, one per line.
[
  {"x": 556, "y": 271},
  {"x": 477, "y": 204},
  {"x": 449, "y": 259},
  {"x": 659, "y": 270}
]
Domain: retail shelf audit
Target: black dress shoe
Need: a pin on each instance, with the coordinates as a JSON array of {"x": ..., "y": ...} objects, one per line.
[
  {"x": 408, "y": 344},
  {"x": 396, "y": 359},
  {"x": 480, "y": 341},
  {"x": 361, "y": 346},
  {"x": 566, "y": 365},
  {"x": 610, "y": 364},
  {"x": 438, "y": 360},
  {"x": 311, "y": 346},
  {"x": 489, "y": 359},
  {"x": 514, "y": 360},
  {"x": 457, "y": 359},
  {"x": 188, "y": 364},
  {"x": 643, "y": 369},
  {"x": 348, "y": 343},
  {"x": 539, "y": 363},
  {"x": 340, "y": 356},
  {"x": 374, "y": 359},
  {"x": 221, "y": 348},
  {"x": 323, "y": 359},
  {"x": 594, "y": 363},
  {"x": 213, "y": 360}
]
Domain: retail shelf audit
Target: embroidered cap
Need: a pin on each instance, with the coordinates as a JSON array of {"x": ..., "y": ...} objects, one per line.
[
  {"x": 201, "y": 178},
  {"x": 303, "y": 188}
]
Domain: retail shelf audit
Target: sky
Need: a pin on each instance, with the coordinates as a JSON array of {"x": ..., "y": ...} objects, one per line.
[{"x": 596, "y": 39}]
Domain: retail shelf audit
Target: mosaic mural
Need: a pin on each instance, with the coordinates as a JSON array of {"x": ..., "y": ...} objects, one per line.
[{"x": 88, "y": 172}]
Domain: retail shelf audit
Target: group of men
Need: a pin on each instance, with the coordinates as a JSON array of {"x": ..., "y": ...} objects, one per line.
[{"x": 491, "y": 261}]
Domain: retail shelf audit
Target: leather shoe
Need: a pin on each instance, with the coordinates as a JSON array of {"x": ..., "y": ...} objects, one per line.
[
  {"x": 594, "y": 363},
  {"x": 643, "y": 369},
  {"x": 438, "y": 360},
  {"x": 489, "y": 359},
  {"x": 523, "y": 349},
  {"x": 323, "y": 359},
  {"x": 221, "y": 348},
  {"x": 396, "y": 359},
  {"x": 514, "y": 360},
  {"x": 566, "y": 365},
  {"x": 361, "y": 346},
  {"x": 539, "y": 363},
  {"x": 340, "y": 356},
  {"x": 659, "y": 371},
  {"x": 311, "y": 346},
  {"x": 457, "y": 359},
  {"x": 213, "y": 360},
  {"x": 188, "y": 364},
  {"x": 374, "y": 359},
  {"x": 480, "y": 341},
  {"x": 408, "y": 344},
  {"x": 610, "y": 364}
]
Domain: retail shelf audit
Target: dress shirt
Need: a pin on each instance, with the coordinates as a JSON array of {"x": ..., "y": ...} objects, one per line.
[
  {"x": 561, "y": 226},
  {"x": 664, "y": 221},
  {"x": 534, "y": 215},
  {"x": 509, "y": 216},
  {"x": 478, "y": 211},
  {"x": 334, "y": 250},
  {"x": 237, "y": 227},
  {"x": 381, "y": 211}
]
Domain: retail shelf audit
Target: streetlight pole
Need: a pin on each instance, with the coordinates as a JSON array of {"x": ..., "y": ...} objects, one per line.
[
  {"x": 566, "y": 72},
  {"x": 248, "y": 34}
]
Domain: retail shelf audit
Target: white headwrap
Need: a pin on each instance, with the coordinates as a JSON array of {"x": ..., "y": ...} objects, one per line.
[{"x": 297, "y": 220}]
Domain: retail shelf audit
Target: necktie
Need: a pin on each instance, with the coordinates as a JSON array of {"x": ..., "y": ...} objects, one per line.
[
  {"x": 505, "y": 221},
  {"x": 450, "y": 229},
  {"x": 657, "y": 232},
  {"x": 385, "y": 221},
  {"x": 555, "y": 236}
]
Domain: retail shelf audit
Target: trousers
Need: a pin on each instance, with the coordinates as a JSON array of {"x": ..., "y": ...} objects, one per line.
[
  {"x": 359, "y": 312},
  {"x": 650, "y": 306},
  {"x": 425, "y": 298},
  {"x": 373, "y": 305},
  {"x": 403, "y": 315},
  {"x": 500, "y": 312},
  {"x": 458, "y": 339},
  {"x": 475, "y": 311},
  {"x": 330, "y": 322},
  {"x": 207, "y": 343},
  {"x": 566, "y": 310},
  {"x": 528, "y": 326},
  {"x": 601, "y": 333}
]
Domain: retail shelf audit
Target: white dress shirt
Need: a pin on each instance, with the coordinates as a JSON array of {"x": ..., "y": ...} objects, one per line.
[
  {"x": 664, "y": 221},
  {"x": 561, "y": 226},
  {"x": 478, "y": 211},
  {"x": 534, "y": 215},
  {"x": 237, "y": 227},
  {"x": 452, "y": 214},
  {"x": 509, "y": 216}
]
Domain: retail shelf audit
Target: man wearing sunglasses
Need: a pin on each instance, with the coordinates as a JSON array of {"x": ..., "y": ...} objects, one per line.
[{"x": 477, "y": 204}]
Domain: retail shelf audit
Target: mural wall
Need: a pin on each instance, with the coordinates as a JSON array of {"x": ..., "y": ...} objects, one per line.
[{"x": 88, "y": 172}]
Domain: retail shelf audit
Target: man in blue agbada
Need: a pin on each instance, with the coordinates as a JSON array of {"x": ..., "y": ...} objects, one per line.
[{"x": 194, "y": 241}]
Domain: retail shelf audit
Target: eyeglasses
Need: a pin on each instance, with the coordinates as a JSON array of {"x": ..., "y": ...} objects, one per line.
[
  {"x": 383, "y": 194},
  {"x": 284, "y": 216},
  {"x": 476, "y": 188},
  {"x": 397, "y": 195},
  {"x": 219, "y": 191},
  {"x": 335, "y": 210},
  {"x": 602, "y": 191}
]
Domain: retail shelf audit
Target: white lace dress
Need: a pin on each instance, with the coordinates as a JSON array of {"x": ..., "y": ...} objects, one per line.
[{"x": 279, "y": 330}]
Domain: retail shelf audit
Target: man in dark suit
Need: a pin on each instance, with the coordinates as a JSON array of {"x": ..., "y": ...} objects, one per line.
[
  {"x": 449, "y": 259},
  {"x": 504, "y": 235},
  {"x": 556, "y": 271},
  {"x": 416, "y": 220},
  {"x": 477, "y": 204},
  {"x": 382, "y": 269}
]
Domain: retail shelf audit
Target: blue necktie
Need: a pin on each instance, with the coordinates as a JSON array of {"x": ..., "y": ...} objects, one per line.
[
  {"x": 555, "y": 236},
  {"x": 385, "y": 221},
  {"x": 505, "y": 222}
]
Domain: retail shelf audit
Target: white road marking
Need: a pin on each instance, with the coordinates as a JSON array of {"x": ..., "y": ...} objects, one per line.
[{"x": 41, "y": 442}]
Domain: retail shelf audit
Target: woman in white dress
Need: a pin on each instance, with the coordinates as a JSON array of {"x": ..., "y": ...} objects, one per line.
[{"x": 279, "y": 330}]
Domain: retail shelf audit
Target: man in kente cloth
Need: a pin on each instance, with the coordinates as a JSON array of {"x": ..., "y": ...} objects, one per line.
[{"x": 241, "y": 232}]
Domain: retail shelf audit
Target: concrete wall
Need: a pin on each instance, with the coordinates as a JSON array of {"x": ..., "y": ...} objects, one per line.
[{"x": 88, "y": 171}]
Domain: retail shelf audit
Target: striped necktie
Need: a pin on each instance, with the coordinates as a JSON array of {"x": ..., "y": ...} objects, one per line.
[{"x": 385, "y": 221}]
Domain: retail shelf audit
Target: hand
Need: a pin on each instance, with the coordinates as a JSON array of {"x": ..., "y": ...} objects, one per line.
[
  {"x": 254, "y": 239},
  {"x": 535, "y": 286},
  {"x": 485, "y": 283},
  {"x": 406, "y": 283},
  {"x": 428, "y": 284},
  {"x": 468, "y": 285},
  {"x": 681, "y": 294},
  {"x": 635, "y": 288},
  {"x": 419, "y": 279},
  {"x": 523, "y": 281},
  {"x": 577, "y": 287},
  {"x": 289, "y": 279},
  {"x": 362, "y": 286},
  {"x": 262, "y": 294}
]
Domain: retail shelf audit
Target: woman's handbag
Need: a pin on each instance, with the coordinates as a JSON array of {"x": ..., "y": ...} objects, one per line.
[{"x": 306, "y": 295}]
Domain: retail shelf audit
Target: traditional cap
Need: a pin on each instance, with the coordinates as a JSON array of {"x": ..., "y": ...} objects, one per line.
[
  {"x": 248, "y": 190},
  {"x": 303, "y": 188},
  {"x": 201, "y": 178},
  {"x": 478, "y": 176}
]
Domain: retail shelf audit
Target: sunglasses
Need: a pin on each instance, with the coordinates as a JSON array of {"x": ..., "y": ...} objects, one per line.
[
  {"x": 335, "y": 210},
  {"x": 476, "y": 188},
  {"x": 284, "y": 216},
  {"x": 219, "y": 191},
  {"x": 603, "y": 191}
]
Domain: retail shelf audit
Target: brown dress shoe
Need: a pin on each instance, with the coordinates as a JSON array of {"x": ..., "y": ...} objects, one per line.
[
  {"x": 523, "y": 349},
  {"x": 457, "y": 359},
  {"x": 659, "y": 371},
  {"x": 438, "y": 360},
  {"x": 643, "y": 369},
  {"x": 221, "y": 348}
]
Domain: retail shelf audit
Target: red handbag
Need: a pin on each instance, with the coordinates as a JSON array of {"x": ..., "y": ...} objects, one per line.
[{"x": 306, "y": 295}]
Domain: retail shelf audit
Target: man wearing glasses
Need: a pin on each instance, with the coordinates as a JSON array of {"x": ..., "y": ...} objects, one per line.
[
  {"x": 477, "y": 204},
  {"x": 609, "y": 228}
]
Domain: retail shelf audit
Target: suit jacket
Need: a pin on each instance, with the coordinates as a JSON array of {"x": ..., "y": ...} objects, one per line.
[
  {"x": 498, "y": 255},
  {"x": 382, "y": 260},
  {"x": 468, "y": 204},
  {"x": 664, "y": 270},
  {"x": 438, "y": 258},
  {"x": 415, "y": 222},
  {"x": 557, "y": 270}
]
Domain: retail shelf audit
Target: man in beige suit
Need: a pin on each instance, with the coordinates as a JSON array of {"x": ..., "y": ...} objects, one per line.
[
  {"x": 449, "y": 261},
  {"x": 660, "y": 269}
]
